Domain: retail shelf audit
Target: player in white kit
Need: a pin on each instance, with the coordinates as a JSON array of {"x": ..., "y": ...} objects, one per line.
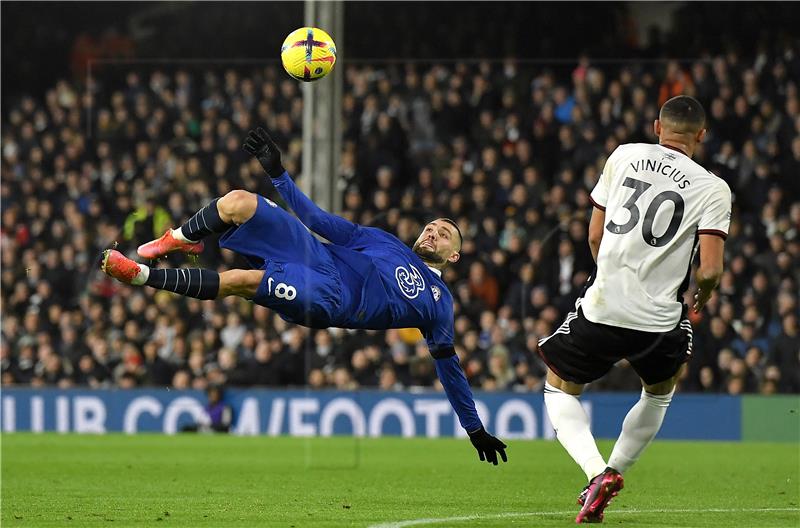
[{"x": 653, "y": 207}]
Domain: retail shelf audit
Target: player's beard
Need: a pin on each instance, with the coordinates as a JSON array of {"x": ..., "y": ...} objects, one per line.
[{"x": 427, "y": 256}]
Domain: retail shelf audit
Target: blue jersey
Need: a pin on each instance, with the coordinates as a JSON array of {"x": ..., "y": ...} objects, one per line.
[
  {"x": 381, "y": 283},
  {"x": 390, "y": 287},
  {"x": 384, "y": 283}
]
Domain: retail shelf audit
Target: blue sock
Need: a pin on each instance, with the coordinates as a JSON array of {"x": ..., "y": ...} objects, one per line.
[
  {"x": 205, "y": 222},
  {"x": 197, "y": 283}
]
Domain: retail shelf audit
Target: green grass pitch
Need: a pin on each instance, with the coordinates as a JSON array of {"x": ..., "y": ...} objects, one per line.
[{"x": 202, "y": 480}]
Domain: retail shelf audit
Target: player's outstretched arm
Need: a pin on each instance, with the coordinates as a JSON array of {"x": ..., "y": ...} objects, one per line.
[
  {"x": 334, "y": 228},
  {"x": 458, "y": 392}
]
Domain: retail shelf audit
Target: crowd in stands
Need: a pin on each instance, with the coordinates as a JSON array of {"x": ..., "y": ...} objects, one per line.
[{"x": 510, "y": 150}]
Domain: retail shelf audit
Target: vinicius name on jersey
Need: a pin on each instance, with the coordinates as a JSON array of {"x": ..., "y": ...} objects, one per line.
[{"x": 665, "y": 169}]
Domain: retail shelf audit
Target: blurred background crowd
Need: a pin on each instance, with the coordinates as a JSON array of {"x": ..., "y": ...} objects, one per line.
[{"x": 509, "y": 148}]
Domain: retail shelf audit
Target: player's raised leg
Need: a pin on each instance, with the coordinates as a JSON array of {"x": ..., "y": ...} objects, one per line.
[
  {"x": 221, "y": 214},
  {"x": 198, "y": 283}
]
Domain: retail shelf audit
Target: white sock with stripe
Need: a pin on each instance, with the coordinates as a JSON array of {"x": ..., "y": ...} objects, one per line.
[
  {"x": 177, "y": 234},
  {"x": 639, "y": 428},
  {"x": 141, "y": 278},
  {"x": 572, "y": 429}
]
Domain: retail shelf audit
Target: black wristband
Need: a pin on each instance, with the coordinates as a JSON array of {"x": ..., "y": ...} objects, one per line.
[
  {"x": 275, "y": 172},
  {"x": 443, "y": 353},
  {"x": 476, "y": 432}
]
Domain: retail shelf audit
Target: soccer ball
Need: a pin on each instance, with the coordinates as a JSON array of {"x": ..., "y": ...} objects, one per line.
[{"x": 308, "y": 54}]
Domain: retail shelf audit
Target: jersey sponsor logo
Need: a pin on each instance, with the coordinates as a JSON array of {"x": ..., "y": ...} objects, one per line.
[
  {"x": 410, "y": 281},
  {"x": 437, "y": 293}
]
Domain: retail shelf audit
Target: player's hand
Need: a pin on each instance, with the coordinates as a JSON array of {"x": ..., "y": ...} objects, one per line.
[
  {"x": 259, "y": 144},
  {"x": 488, "y": 446},
  {"x": 701, "y": 297}
]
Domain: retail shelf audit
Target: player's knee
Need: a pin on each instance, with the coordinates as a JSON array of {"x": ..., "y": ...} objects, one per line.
[
  {"x": 568, "y": 387},
  {"x": 243, "y": 283},
  {"x": 237, "y": 206},
  {"x": 661, "y": 389},
  {"x": 665, "y": 387},
  {"x": 656, "y": 399}
]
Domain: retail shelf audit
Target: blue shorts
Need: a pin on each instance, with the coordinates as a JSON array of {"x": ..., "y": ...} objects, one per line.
[{"x": 301, "y": 282}]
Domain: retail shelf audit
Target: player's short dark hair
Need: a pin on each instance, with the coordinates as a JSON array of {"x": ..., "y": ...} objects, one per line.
[
  {"x": 458, "y": 230},
  {"x": 685, "y": 113}
]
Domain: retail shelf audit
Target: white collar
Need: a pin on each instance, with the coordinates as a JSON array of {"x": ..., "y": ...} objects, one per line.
[{"x": 436, "y": 271}]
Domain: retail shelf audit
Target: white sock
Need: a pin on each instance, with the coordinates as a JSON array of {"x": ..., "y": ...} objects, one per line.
[
  {"x": 177, "y": 234},
  {"x": 141, "y": 278},
  {"x": 639, "y": 428},
  {"x": 572, "y": 429}
]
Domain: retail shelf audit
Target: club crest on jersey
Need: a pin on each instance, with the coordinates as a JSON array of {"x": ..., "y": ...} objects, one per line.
[
  {"x": 410, "y": 281},
  {"x": 437, "y": 293}
]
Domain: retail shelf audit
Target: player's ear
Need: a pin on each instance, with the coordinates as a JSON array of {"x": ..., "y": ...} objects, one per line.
[
  {"x": 454, "y": 257},
  {"x": 657, "y": 127},
  {"x": 701, "y": 135}
]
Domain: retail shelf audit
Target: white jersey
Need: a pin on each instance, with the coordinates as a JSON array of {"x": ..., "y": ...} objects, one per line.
[{"x": 657, "y": 201}]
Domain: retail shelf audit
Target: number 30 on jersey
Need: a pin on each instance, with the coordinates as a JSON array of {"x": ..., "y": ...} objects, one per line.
[{"x": 640, "y": 187}]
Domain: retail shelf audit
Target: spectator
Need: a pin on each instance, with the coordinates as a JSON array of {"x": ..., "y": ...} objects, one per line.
[
  {"x": 363, "y": 370},
  {"x": 262, "y": 369},
  {"x": 316, "y": 379},
  {"x": 234, "y": 331},
  {"x": 785, "y": 355},
  {"x": 483, "y": 286},
  {"x": 93, "y": 375},
  {"x": 157, "y": 372},
  {"x": 219, "y": 414},
  {"x": 388, "y": 379}
]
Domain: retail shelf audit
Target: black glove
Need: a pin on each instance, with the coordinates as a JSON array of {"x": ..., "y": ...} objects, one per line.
[
  {"x": 260, "y": 145},
  {"x": 488, "y": 446}
]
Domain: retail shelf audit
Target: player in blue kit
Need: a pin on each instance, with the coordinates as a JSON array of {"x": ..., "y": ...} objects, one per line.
[{"x": 363, "y": 278}]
